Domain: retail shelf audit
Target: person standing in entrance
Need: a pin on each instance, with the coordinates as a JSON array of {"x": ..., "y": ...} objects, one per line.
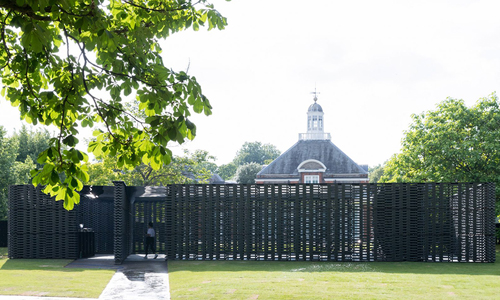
[{"x": 150, "y": 240}]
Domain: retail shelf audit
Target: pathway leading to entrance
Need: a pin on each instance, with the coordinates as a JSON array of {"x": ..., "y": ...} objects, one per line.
[
  {"x": 139, "y": 279},
  {"x": 136, "y": 278}
]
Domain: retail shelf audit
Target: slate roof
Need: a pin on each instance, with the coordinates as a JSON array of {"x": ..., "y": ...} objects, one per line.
[{"x": 336, "y": 161}]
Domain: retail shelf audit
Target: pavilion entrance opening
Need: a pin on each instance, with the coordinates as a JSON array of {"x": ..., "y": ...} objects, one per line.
[{"x": 148, "y": 206}]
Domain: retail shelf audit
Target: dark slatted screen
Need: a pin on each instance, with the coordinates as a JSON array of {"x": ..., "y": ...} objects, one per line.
[
  {"x": 40, "y": 227},
  {"x": 334, "y": 222},
  {"x": 330, "y": 222}
]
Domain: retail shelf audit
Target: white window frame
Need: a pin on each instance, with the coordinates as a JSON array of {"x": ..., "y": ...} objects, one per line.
[{"x": 311, "y": 178}]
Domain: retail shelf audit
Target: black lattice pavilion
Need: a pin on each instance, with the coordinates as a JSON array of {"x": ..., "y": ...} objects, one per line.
[{"x": 352, "y": 222}]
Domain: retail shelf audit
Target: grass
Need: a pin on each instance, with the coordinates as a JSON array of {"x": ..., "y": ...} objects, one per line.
[
  {"x": 48, "y": 277},
  {"x": 268, "y": 280},
  {"x": 320, "y": 280}
]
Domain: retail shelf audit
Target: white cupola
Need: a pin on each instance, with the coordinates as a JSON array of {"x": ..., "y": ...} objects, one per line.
[
  {"x": 315, "y": 123},
  {"x": 315, "y": 118}
]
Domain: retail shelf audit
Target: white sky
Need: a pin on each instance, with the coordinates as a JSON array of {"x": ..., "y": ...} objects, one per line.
[{"x": 374, "y": 63}]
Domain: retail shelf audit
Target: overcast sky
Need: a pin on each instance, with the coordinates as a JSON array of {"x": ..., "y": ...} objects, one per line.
[{"x": 374, "y": 64}]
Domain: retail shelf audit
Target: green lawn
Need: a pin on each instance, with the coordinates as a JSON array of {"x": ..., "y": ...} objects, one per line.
[
  {"x": 320, "y": 280},
  {"x": 269, "y": 280},
  {"x": 48, "y": 277}
]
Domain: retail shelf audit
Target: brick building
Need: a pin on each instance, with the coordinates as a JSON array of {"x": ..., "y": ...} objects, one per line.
[{"x": 313, "y": 159}]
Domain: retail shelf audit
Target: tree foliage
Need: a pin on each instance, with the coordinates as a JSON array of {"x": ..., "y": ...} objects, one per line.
[
  {"x": 256, "y": 152},
  {"x": 7, "y": 158},
  {"x": 227, "y": 171},
  {"x": 376, "y": 172},
  {"x": 15, "y": 169},
  {"x": 246, "y": 174},
  {"x": 197, "y": 167},
  {"x": 453, "y": 143},
  {"x": 250, "y": 152},
  {"x": 31, "y": 143},
  {"x": 73, "y": 63}
]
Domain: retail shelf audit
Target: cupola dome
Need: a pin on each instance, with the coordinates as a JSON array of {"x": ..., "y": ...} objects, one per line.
[{"x": 315, "y": 107}]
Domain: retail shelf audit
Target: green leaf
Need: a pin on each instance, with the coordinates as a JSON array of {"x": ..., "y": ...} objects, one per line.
[
  {"x": 79, "y": 23},
  {"x": 54, "y": 177},
  {"x": 42, "y": 157},
  {"x": 198, "y": 106},
  {"x": 127, "y": 90},
  {"x": 36, "y": 44},
  {"x": 70, "y": 140},
  {"x": 172, "y": 134}
]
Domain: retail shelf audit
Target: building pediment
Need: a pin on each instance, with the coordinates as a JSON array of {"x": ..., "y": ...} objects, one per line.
[
  {"x": 309, "y": 151},
  {"x": 311, "y": 165}
]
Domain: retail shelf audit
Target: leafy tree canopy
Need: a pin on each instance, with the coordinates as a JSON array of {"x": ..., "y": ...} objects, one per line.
[
  {"x": 15, "y": 169},
  {"x": 247, "y": 173},
  {"x": 227, "y": 171},
  {"x": 256, "y": 152},
  {"x": 453, "y": 143},
  {"x": 7, "y": 157},
  {"x": 31, "y": 143},
  {"x": 376, "y": 172},
  {"x": 194, "y": 167},
  {"x": 73, "y": 63},
  {"x": 250, "y": 152}
]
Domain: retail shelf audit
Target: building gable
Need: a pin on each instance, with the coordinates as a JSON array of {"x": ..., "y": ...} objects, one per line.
[{"x": 335, "y": 161}]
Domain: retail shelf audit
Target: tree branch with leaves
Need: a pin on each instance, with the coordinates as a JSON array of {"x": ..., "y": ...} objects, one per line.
[{"x": 112, "y": 53}]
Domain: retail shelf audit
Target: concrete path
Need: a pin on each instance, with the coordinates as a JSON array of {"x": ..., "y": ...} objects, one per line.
[
  {"x": 136, "y": 278},
  {"x": 139, "y": 279}
]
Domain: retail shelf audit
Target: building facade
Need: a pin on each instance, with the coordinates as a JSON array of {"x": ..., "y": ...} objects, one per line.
[{"x": 313, "y": 159}]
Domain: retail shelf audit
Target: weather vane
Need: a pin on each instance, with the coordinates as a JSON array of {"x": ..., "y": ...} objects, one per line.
[{"x": 315, "y": 94}]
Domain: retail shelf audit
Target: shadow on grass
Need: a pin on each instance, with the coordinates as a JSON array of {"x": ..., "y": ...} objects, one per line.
[{"x": 492, "y": 269}]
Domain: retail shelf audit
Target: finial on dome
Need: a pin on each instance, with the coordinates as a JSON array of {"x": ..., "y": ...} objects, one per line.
[{"x": 315, "y": 94}]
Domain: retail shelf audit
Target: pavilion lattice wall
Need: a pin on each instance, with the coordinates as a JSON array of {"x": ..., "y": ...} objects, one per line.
[
  {"x": 334, "y": 222},
  {"x": 40, "y": 227}
]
